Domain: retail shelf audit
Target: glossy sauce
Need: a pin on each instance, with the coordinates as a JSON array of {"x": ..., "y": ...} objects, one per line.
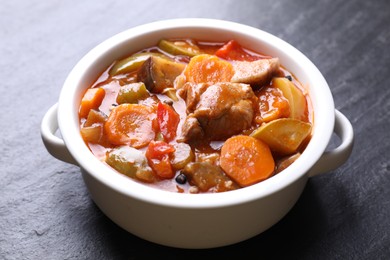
[{"x": 268, "y": 99}]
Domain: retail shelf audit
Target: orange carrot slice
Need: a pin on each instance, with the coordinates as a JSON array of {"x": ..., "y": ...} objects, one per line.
[
  {"x": 208, "y": 68},
  {"x": 246, "y": 160},
  {"x": 92, "y": 99},
  {"x": 130, "y": 124}
]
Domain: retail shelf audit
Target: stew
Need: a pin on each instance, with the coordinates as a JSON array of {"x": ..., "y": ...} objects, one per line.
[{"x": 194, "y": 116}]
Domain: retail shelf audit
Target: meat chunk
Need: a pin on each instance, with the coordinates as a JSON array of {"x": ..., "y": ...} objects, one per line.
[
  {"x": 257, "y": 72},
  {"x": 191, "y": 129},
  {"x": 217, "y": 111},
  {"x": 191, "y": 93},
  {"x": 230, "y": 122},
  {"x": 208, "y": 177}
]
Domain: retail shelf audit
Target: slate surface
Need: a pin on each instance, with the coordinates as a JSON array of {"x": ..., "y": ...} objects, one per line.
[{"x": 45, "y": 209}]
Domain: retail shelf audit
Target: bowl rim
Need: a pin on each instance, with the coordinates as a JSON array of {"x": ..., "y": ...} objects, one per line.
[{"x": 68, "y": 118}]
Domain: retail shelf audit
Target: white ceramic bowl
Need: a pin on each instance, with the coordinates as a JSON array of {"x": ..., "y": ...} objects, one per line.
[{"x": 195, "y": 220}]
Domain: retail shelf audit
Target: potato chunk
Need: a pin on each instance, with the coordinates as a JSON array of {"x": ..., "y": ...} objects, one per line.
[
  {"x": 284, "y": 135},
  {"x": 294, "y": 96}
]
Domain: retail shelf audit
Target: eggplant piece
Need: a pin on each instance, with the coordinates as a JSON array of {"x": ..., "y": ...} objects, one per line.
[
  {"x": 159, "y": 73},
  {"x": 132, "y": 63}
]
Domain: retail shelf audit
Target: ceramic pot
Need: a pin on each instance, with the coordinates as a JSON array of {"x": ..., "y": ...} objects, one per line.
[{"x": 196, "y": 220}]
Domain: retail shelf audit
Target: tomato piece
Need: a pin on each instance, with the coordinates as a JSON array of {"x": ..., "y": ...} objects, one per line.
[
  {"x": 168, "y": 120},
  {"x": 233, "y": 51},
  {"x": 158, "y": 155},
  {"x": 272, "y": 105},
  {"x": 162, "y": 168},
  {"x": 158, "y": 149}
]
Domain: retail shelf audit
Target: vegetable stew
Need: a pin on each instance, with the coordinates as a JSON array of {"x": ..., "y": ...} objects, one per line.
[{"x": 194, "y": 116}]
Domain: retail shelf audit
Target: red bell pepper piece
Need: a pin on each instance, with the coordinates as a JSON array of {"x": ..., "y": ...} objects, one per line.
[
  {"x": 232, "y": 51},
  {"x": 168, "y": 120},
  {"x": 158, "y": 156}
]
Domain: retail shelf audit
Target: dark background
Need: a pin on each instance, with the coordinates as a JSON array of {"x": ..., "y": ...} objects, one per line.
[{"x": 45, "y": 209}]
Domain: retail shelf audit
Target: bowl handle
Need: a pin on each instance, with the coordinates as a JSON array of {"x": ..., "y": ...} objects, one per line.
[
  {"x": 54, "y": 145},
  {"x": 333, "y": 159}
]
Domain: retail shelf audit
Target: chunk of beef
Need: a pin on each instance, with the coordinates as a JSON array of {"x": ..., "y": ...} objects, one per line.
[
  {"x": 257, "y": 72},
  {"x": 230, "y": 122},
  {"x": 191, "y": 93},
  {"x": 208, "y": 177},
  {"x": 191, "y": 129},
  {"x": 217, "y": 111}
]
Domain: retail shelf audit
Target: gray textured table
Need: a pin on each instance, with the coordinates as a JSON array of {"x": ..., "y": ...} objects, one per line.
[{"x": 45, "y": 209}]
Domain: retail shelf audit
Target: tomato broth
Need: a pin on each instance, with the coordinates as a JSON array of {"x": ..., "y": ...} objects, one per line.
[{"x": 194, "y": 116}]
